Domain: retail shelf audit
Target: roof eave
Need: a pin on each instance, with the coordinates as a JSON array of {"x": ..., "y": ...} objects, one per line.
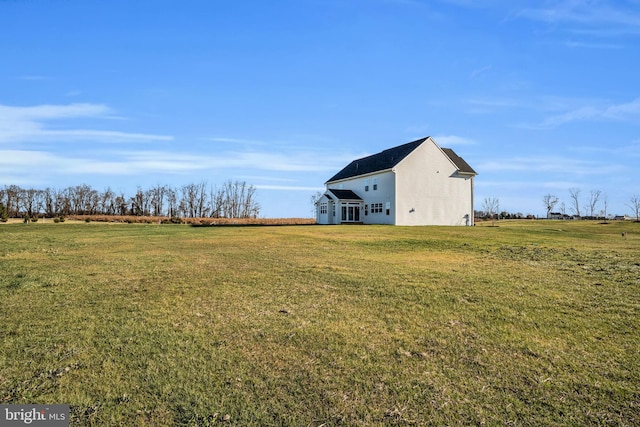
[{"x": 360, "y": 176}]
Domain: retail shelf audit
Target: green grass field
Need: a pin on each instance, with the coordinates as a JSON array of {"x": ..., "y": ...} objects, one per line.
[{"x": 526, "y": 323}]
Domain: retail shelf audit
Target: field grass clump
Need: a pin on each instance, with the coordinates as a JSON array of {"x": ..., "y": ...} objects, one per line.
[{"x": 528, "y": 323}]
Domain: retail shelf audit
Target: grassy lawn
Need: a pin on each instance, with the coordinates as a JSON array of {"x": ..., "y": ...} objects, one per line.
[{"x": 527, "y": 323}]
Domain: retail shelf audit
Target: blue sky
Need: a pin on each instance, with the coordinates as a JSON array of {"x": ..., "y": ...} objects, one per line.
[{"x": 538, "y": 96}]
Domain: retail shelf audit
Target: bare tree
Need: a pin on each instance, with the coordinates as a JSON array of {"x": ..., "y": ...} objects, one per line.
[
  {"x": 138, "y": 203},
  {"x": 202, "y": 207},
  {"x": 108, "y": 202},
  {"x": 194, "y": 200},
  {"x": 49, "y": 200},
  {"x": 122, "y": 207},
  {"x": 314, "y": 200},
  {"x": 635, "y": 205},
  {"x": 239, "y": 200},
  {"x": 172, "y": 202},
  {"x": 62, "y": 202},
  {"x": 491, "y": 206},
  {"x": 156, "y": 196},
  {"x": 31, "y": 201},
  {"x": 12, "y": 200},
  {"x": 549, "y": 202},
  {"x": 605, "y": 203},
  {"x": 4, "y": 215},
  {"x": 574, "y": 193},
  {"x": 594, "y": 198},
  {"x": 216, "y": 202}
]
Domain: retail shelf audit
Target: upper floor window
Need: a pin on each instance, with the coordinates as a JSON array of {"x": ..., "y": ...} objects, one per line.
[
  {"x": 366, "y": 185},
  {"x": 375, "y": 184}
]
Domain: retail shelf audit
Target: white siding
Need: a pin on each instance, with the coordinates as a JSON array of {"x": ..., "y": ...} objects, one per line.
[
  {"x": 430, "y": 191},
  {"x": 384, "y": 194}
]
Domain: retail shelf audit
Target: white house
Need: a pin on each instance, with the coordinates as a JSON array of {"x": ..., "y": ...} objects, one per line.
[{"x": 417, "y": 183}]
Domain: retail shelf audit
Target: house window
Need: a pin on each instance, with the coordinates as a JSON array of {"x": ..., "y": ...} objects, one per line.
[
  {"x": 366, "y": 210},
  {"x": 366, "y": 185},
  {"x": 323, "y": 209},
  {"x": 375, "y": 184},
  {"x": 376, "y": 208},
  {"x": 388, "y": 208}
]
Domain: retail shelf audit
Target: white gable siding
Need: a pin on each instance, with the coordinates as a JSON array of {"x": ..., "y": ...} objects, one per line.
[{"x": 429, "y": 190}]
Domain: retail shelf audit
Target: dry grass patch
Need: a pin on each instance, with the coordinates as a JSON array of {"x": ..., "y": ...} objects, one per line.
[{"x": 322, "y": 325}]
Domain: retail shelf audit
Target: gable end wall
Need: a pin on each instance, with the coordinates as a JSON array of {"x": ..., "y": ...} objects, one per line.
[{"x": 430, "y": 191}]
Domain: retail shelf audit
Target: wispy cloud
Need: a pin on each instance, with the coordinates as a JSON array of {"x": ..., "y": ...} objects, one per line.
[
  {"x": 617, "y": 16},
  {"x": 239, "y": 141},
  {"x": 588, "y": 45},
  {"x": 29, "y": 124},
  {"x": 479, "y": 71},
  {"x": 549, "y": 165},
  {"x": 488, "y": 105},
  {"x": 629, "y": 111},
  {"x": 146, "y": 162}
]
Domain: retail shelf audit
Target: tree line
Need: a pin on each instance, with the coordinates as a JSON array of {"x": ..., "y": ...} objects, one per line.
[
  {"x": 233, "y": 199},
  {"x": 594, "y": 206}
]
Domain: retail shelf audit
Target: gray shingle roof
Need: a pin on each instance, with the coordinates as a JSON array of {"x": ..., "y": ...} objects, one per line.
[
  {"x": 389, "y": 158},
  {"x": 384, "y": 160},
  {"x": 458, "y": 161},
  {"x": 344, "y": 194}
]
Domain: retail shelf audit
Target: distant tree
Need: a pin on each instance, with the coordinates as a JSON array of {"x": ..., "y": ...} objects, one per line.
[
  {"x": 122, "y": 207},
  {"x": 172, "y": 201},
  {"x": 574, "y": 193},
  {"x": 216, "y": 202},
  {"x": 157, "y": 196},
  {"x": 49, "y": 200},
  {"x": 138, "y": 202},
  {"x": 635, "y": 206},
  {"x": 491, "y": 206},
  {"x": 12, "y": 195},
  {"x": 314, "y": 199},
  {"x": 594, "y": 198},
  {"x": 4, "y": 215},
  {"x": 194, "y": 200},
  {"x": 549, "y": 202},
  {"x": 108, "y": 202}
]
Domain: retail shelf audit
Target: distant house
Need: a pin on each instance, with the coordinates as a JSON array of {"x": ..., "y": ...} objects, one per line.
[
  {"x": 557, "y": 215},
  {"x": 417, "y": 183}
]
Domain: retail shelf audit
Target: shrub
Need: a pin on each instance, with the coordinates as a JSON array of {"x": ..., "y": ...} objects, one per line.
[
  {"x": 56, "y": 220},
  {"x": 4, "y": 214}
]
